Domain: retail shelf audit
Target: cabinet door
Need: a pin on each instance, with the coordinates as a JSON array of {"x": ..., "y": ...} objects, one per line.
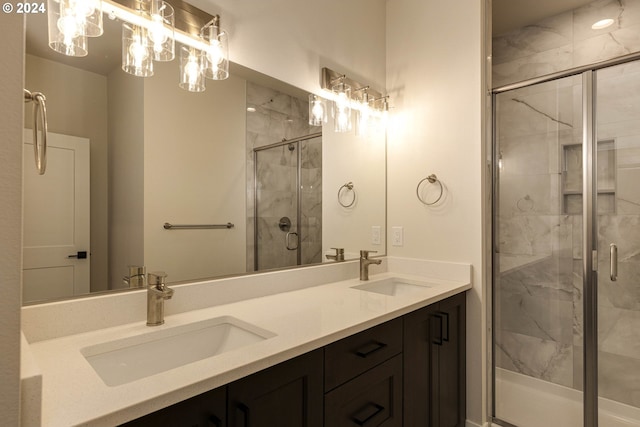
[
  {"x": 205, "y": 410},
  {"x": 449, "y": 365},
  {"x": 417, "y": 367},
  {"x": 434, "y": 364},
  {"x": 287, "y": 395}
]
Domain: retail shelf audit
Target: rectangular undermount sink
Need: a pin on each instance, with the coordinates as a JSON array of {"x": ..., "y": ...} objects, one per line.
[
  {"x": 394, "y": 286},
  {"x": 129, "y": 359}
]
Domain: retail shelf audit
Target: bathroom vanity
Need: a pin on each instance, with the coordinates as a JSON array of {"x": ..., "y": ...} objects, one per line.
[
  {"x": 389, "y": 351},
  {"x": 411, "y": 368}
]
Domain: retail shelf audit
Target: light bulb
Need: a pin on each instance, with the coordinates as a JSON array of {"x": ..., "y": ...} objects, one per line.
[
  {"x": 317, "y": 110},
  {"x": 157, "y": 34},
  {"x": 83, "y": 7},
  {"x": 70, "y": 27},
  {"x": 192, "y": 69},
  {"x": 214, "y": 52},
  {"x": 138, "y": 50}
]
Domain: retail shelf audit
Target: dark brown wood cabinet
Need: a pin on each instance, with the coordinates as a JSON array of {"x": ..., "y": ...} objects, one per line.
[
  {"x": 205, "y": 410},
  {"x": 409, "y": 371},
  {"x": 434, "y": 364},
  {"x": 285, "y": 395}
]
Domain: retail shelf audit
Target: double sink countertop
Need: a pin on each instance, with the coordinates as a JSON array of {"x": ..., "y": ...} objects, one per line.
[{"x": 290, "y": 323}]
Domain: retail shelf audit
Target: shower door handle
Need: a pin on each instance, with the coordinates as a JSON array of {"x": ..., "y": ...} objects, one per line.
[
  {"x": 288, "y": 240},
  {"x": 613, "y": 262}
]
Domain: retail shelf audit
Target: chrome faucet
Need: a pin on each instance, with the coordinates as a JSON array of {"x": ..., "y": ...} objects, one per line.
[
  {"x": 136, "y": 277},
  {"x": 365, "y": 262},
  {"x": 339, "y": 255},
  {"x": 157, "y": 292}
]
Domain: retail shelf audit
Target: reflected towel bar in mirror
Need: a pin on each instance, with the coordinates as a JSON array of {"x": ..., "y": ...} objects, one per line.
[{"x": 168, "y": 226}]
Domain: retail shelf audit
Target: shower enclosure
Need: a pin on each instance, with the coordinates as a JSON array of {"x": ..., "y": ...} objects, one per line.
[
  {"x": 288, "y": 203},
  {"x": 566, "y": 249}
]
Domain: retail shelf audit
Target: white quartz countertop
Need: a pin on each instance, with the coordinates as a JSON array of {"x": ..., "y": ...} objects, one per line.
[{"x": 302, "y": 320}]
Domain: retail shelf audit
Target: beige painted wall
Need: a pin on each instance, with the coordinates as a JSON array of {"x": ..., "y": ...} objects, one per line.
[
  {"x": 126, "y": 174},
  {"x": 11, "y": 84},
  {"x": 194, "y": 173},
  {"x": 434, "y": 77},
  {"x": 347, "y": 158},
  {"x": 77, "y": 105}
]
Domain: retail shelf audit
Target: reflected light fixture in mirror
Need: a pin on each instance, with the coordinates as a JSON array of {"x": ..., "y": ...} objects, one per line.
[
  {"x": 137, "y": 57},
  {"x": 191, "y": 69},
  {"x": 317, "y": 110},
  {"x": 68, "y": 27},
  {"x": 161, "y": 31},
  {"x": 341, "y": 107}
]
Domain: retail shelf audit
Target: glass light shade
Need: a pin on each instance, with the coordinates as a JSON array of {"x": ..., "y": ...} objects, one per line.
[
  {"x": 364, "y": 121},
  {"x": 341, "y": 107},
  {"x": 137, "y": 53},
  {"x": 317, "y": 110},
  {"x": 161, "y": 31},
  {"x": 216, "y": 65},
  {"x": 191, "y": 69},
  {"x": 66, "y": 31}
]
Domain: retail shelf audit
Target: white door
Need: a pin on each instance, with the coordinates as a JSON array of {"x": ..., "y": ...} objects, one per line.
[{"x": 56, "y": 219}]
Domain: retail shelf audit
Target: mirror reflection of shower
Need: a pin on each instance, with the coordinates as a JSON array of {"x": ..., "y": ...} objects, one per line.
[{"x": 288, "y": 203}]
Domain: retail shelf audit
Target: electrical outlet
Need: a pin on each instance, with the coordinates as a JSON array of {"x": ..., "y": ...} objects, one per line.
[
  {"x": 375, "y": 235},
  {"x": 397, "y": 236}
]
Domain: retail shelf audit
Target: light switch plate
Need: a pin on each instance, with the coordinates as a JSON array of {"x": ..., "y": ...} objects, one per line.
[
  {"x": 375, "y": 235},
  {"x": 397, "y": 236}
]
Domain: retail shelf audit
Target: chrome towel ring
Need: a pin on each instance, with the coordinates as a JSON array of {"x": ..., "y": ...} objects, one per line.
[
  {"x": 39, "y": 110},
  {"x": 347, "y": 187},
  {"x": 433, "y": 179}
]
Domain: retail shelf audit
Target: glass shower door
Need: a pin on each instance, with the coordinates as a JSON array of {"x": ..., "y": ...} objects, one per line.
[
  {"x": 537, "y": 269},
  {"x": 618, "y": 230},
  {"x": 276, "y": 207}
]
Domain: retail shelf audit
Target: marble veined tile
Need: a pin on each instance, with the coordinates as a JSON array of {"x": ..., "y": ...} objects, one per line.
[
  {"x": 607, "y": 46},
  {"x": 535, "y": 357},
  {"x": 623, "y": 338},
  {"x": 619, "y": 378},
  {"x": 538, "y": 64},
  {"x": 550, "y": 33},
  {"x": 526, "y": 235}
]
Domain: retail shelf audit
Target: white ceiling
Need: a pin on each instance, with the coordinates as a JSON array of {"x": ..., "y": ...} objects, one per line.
[{"x": 511, "y": 14}]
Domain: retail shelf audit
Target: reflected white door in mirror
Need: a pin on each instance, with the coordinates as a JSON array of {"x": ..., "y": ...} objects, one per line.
[{"x": 56, "y": 225}]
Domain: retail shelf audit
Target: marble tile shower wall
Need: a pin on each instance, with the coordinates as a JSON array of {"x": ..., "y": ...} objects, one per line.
[
  {"x": 279, "y": 116},
  {"x": 565, "y": 41},
  {"x": 539, "y": 298}
]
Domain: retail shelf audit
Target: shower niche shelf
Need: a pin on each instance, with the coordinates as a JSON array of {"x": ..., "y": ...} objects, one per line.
[{"x": 571, "y": 184}]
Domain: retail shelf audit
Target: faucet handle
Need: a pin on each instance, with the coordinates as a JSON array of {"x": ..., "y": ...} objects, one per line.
[
  {"x": 157, "y": 279},
  {"x": 365, "y": 254},
  {"x": 339, "y": 251}
]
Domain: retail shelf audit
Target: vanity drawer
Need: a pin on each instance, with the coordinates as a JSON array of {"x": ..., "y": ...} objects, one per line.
[
  {"x": 370, "y": 400},
  {"x": 349, "y": 357}
]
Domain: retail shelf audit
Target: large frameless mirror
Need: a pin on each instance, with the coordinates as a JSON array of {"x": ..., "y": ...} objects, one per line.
[{"x": 140, "y": 172}]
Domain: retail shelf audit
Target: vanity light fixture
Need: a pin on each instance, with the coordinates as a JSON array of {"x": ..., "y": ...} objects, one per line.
[
  {"x": 369, "y": 105},
  {"x": 603, "y": 23},
  {"x": 317, "y": 110},
  {"x": 150, "y": 30}
]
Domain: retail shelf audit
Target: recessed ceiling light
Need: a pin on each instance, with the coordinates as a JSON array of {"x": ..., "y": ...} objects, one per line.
[
  {"x": 251, "y": 109},
  {"x": 603, "y": 23}
]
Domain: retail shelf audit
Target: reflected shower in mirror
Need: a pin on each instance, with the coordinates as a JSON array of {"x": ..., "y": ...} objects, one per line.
[{"x": 129, "y": 154}]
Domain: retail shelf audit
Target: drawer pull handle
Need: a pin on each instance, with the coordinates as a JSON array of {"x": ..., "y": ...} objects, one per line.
[
  {"x": 242, "y": 412},
  {"x": 370, "y": 348},
  {"x": 445, "y": 335},
  {"x": 364, "y": 415}
]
